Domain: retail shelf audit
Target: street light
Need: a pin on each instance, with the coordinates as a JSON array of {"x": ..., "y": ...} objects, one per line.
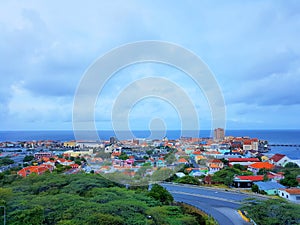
[{"x": 4, "y": 212}]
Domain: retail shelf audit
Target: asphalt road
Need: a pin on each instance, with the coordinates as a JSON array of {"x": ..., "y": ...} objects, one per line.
[{"x": 222, "y": 205}]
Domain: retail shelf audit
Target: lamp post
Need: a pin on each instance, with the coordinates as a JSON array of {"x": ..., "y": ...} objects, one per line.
[{"x": 4, "y": 216}]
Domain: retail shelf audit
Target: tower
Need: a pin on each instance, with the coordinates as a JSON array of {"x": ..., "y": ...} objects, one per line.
[{"x": 219, "y": 134}]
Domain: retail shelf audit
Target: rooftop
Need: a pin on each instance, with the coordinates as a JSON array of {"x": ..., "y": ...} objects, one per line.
[
  {"x": 268, "y": 185},
  {"x": 252, "y": 178},
  {"x": 243, "y": 159},
  {"x": 262, "y": 165},
  {"x": 277, "y": 157},
  {"x": 292, "y": 191}
]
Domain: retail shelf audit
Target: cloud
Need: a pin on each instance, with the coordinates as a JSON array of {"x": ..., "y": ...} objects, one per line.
[
  {"x": 275, "y": 89},
  {"x": 252, "y": 47}
]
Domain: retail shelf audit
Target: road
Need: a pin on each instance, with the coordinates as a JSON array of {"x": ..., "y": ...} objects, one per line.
[{"x": 222, "y": 205}]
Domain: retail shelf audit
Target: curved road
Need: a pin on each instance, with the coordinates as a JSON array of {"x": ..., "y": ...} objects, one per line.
[{"x": 222, "y": 205}]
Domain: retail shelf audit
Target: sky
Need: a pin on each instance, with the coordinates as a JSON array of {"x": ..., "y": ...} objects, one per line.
[{"x": 251, "y": 47}]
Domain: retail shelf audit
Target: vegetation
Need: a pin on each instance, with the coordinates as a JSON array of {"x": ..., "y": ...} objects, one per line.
[
  {"x": 161, "y": 194},
  {"x": 290, "y": 174},
  {"x": 86, "y": 199},
  {"x": 240, "y": 167},
  {"x": 6, "y": 161},
  {"x": 188, "y": 180},
  {"x": 225, "y": 176},
  {"x": 28, "y": 158},
  {"x": 123, "y": 156},
  {"x": 291, "y": 165},
  {"x": 272, "y": 211}
]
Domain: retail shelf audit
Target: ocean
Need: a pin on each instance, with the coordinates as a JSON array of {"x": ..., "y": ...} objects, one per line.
[{"x": 272, "y": 136}]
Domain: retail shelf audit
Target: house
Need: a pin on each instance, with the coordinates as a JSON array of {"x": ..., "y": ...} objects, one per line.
[
  {"x": 197, "y": 172},
  {"x": 214, "y": 165},
  {"x": 279, "y": 160},
  {"x": 242, "y": 161},
  {"x": 275, "y": 177},
  {"x": 183, "y": 161},
  {"x": 160, "y": 163},
  {"x": 247, "y": 145},
  {"x": 246, "y": 181},
  {"x": 34, "y": 169},
  {"x": 199, "y": 158},
  {"x": 79, "y": 153},
  {"x": 291, "y": 194},
  {"x": 271, "y": 188},
  {"x": 69, "y": 144},
  {"x": 255, "y": 167},
  {"x": 180, "y": 174},
  {"x": 74, "y": 165},
  {"x": 64, "y": 162},
  {"x": 264, "y": 158},
  {"x": 213, "y": 154},
  {"x": 40, "y": 155},
  {"x": 188, "y": 151}
]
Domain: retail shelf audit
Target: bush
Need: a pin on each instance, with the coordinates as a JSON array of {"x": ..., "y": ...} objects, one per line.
[
  {"x": 159, "y": 193},
  {"x": 188, "y": 180}
]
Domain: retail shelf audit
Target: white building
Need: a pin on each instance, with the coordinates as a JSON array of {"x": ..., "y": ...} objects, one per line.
[
  {"x": 291, "y": 194},
  {"x": 279, "y": 160}
]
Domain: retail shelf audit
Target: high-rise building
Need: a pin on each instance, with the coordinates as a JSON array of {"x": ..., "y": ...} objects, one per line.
[
  {"x": 112, "y": 140},
  {"x": 219, "y": 134}
]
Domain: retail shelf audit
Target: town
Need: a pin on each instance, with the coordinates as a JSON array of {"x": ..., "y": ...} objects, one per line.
[{"x": 225, "y": 161}]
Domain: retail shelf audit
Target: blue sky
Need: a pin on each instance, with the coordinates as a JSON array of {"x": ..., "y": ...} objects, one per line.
[{"x": 252, "y": 48}]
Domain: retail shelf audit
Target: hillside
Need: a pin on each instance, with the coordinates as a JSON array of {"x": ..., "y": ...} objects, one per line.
[{"x": 85, "y": 199}]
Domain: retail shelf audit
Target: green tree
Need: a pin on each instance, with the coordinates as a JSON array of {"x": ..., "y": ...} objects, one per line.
[
  {"x": 86, "y": 199},
  {"x": 123, "y": 156},
  {"x": 226, "y": 175},
  {"x": 34, "y": 216},
  {"x": 188, "y": 180},
  {"x": 291, "y": 165},
  {"x": 255, "y": 188},
  {"x": 28, "y": 158},
  {"x": 161, "y": 194},
  {"x": 289, "y": 181},
  {"x": 272, "y": 211},
  {"x": 239, "y": 167},
  {"x": 170, "y": 158},
  {"x": 5, "y": 193},
  {"x": 6, "y": 161},
  {"x": 263, "y": 171},
  {"x": 162, "y": 174}
]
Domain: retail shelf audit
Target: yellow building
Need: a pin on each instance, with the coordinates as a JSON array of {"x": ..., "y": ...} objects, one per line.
[
  {"x": 69, "y": 144},
  {"x": 264, "y": 158},
  {"x": 79, "y": 153}
]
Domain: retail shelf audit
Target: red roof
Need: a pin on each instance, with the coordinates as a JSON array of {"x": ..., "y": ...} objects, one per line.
[
  {"x": 247, "y": 142},
  {"x": 196, "y": 153},
  {"x": 277, "y": 157},
  {"x": 262, "y": 165},
  {"x": 252, "y": 178},
  {"x": 292, "y": 191},
  {"x": 243, "y": 159},
  {"x": 34, "y": 169},
  {"x": 182, "y": 160},
  {"x": 215, "y": 161}
]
